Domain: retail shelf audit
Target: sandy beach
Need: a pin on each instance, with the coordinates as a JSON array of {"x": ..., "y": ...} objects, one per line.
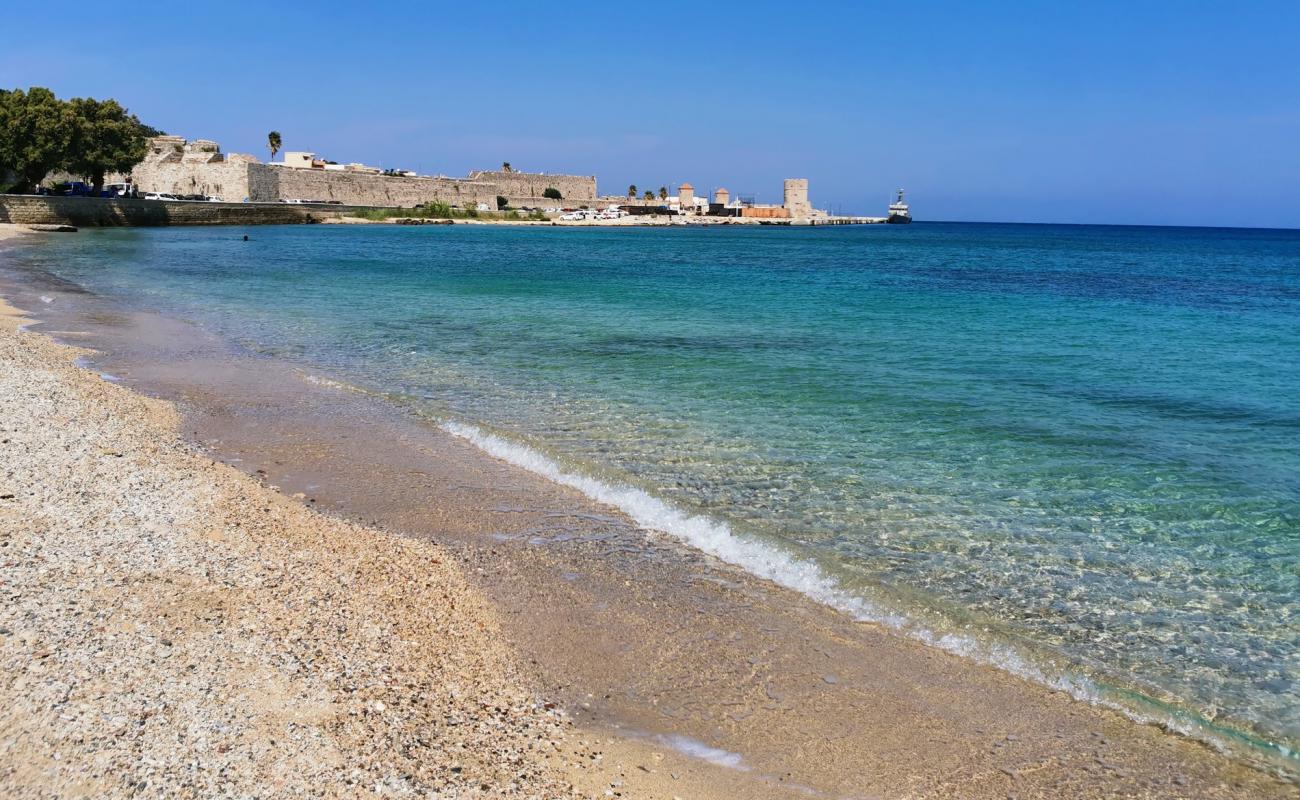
[
  {"x": 171, "y": 627},
  {"x": 212, "y": 590}
]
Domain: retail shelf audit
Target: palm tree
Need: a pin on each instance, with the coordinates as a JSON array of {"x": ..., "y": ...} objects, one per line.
[
  {"x": 663, "y": 192},
  {"x": 649, "y": 195},
  {"x": 631, "y": 191},
  {"x": 273, "y": 141},
  {"x": 505, "y": 166}
]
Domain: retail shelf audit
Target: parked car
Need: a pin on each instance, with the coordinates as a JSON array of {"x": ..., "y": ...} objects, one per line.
[{"x": 73, "y": 189}]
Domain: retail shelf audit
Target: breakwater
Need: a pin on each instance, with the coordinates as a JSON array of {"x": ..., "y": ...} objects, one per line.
[{"x": 118, "y": 212}]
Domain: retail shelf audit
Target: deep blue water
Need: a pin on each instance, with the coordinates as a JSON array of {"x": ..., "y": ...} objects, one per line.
[{"x": 1077, "y": 445}]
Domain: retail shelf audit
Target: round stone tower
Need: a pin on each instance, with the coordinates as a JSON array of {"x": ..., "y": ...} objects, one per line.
[{"x": 796, "y": 198}]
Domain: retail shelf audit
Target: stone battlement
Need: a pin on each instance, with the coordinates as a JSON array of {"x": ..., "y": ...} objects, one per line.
[{"x": 176, "y": 166}]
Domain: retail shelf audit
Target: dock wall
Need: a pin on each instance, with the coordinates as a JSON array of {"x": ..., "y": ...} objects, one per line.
[{"x": 87, "y": 212}]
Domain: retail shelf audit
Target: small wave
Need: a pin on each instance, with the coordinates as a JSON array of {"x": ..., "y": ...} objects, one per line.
[
  {"x": 84, "y": 362},
  {"x": 45, "y": 298},
  {"x": 329, "y": 383},
  {"x": 697, "y": 749},
  {"x": 783, "y": 568}
]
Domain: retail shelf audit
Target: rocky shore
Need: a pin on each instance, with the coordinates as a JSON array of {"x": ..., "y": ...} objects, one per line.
[{"x": 170, "y": 627}]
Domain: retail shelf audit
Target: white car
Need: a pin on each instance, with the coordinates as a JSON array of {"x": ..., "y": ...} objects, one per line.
[{"x": 574, "y": 216}]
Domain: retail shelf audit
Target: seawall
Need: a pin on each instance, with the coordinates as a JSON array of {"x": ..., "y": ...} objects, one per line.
[{"x": 108, "y": 212}]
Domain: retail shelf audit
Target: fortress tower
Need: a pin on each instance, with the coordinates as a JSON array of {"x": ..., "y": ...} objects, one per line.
[
  {"x": 796, "y": 198},
  {"x": 686, "y": 198}
]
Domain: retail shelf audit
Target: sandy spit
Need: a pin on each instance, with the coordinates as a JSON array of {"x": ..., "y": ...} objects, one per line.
[{"x": 171, "y": 627}]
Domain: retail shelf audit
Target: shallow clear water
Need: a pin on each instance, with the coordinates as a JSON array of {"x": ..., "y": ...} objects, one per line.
[{"x": 1082, "y": 443}]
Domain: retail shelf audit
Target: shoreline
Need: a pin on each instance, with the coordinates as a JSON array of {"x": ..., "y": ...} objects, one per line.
[
  {"x": 173, "y": 627},
  {"x": 1048, "y": 743},
  {"x": 43, "y": 210},
  {"x": 181, "y": 572}
]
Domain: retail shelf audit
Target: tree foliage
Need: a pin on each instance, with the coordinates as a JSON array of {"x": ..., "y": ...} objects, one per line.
[
  {"x": 35, "y": 134},
  {"x": 649, "y": 195},
  {"x": 274, "y": 143},
  {"x": 552, "y": 193},
  {"x": 631, "y": 191},
  {"x": 87, "y": 137},
  {"x": 663, "y": 192},
  {"x": 105, "y": 138}
]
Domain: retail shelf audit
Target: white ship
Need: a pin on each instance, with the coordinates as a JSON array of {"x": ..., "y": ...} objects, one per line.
[{"x": 899, "y": 214}]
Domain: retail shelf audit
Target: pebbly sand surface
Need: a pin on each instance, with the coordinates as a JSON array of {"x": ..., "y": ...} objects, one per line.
[
  {"x": 173, "y": 626},
  {"x": 170, "y": 627}
]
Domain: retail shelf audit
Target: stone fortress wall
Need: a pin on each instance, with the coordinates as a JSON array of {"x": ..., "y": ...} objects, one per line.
[
  {"x": 269, "y": 183},
  {"x": 228, "y": 180},
  {"x": 527, "y": 188},
  {"x": 176, "y": 166}
]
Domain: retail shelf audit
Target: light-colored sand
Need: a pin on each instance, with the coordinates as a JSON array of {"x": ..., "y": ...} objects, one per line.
[
  {"x": 170, "y": 627},
  {"x": 10, "y": 231}
]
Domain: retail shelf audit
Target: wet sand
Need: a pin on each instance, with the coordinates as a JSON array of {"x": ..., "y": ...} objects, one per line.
[{"x": 692, "y": 677}]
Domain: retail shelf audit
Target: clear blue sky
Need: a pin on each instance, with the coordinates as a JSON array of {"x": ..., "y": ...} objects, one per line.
[{"x": 1139, "y": 112}]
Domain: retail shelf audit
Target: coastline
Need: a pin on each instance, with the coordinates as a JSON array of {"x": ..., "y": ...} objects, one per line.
[
  {"x": 780, "y": 663},
  {"x": 170, "y": 625}
]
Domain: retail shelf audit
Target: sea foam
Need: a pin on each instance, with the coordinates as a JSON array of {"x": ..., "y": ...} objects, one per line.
[
  {"x": 769, "y": 561},
  {"x": 697, "y": 749},
  {"x": 763, "y": 559}
]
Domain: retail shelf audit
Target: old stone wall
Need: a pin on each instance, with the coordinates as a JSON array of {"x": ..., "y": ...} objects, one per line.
[
  {"x": 526, "y": 188},
  {"x": 199, "y": 168},
  {"x": 225, "y": 179},
  {"x": 269, "y": 182},
  {"x": 104, "y": 212}
]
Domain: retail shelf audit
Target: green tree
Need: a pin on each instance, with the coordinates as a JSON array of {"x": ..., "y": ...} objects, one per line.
[
  {"x": 274, "y": 142},
  {"x": 649, "y": 195},
  {"x": 36, "y": 130},
  {"x": 105, "y": 138},
  {"x": 631, "y": 192},
  {"x": 6, "y": 170},
  {"x": 505, "y": 167},
  {"x": 502, "y": 202},
  {"x": 552, "y": 193},
  {"x": 663, "y": 192}
]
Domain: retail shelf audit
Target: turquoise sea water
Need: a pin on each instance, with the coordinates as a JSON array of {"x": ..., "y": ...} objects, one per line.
[{"x": 1074, "y": 451}]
